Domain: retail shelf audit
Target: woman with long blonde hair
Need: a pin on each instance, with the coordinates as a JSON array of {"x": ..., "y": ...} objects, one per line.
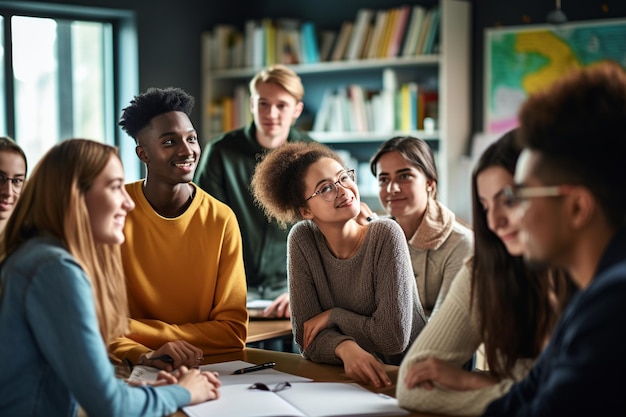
[{"x": 63, "y": 295}]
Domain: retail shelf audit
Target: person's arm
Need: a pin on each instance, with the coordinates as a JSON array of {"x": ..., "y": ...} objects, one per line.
[
  {"x": 303, "y": 262},
  {"x": 395, "y": 295},
  {"x": 451, "y": 336},
  {"x": 574, "y": 373},
  {"x": 61, "y": 313}
]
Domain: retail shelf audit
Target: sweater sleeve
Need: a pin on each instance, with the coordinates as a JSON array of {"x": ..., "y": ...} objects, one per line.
[
  {"x": 303, "y": 262},
  {"x": 453, "y": 336},
  {"x": 61, "y": 313}
]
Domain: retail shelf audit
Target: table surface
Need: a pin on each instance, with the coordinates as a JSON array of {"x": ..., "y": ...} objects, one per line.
[
  {"x": 264, "y": 329},
  {"x": 295, "y": 364}
]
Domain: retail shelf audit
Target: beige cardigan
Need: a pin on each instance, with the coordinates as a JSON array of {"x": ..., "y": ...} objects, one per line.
[{"x": 438, "y": 248}]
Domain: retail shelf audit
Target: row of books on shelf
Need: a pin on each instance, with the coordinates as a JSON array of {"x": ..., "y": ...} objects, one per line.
[
  {"x": 352, "y": 108},
  {"x": 355, "y": 109},
  {"x": 399, "y": 31}
]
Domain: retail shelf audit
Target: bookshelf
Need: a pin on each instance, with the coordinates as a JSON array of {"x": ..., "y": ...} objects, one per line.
[{"x": 446, "y": 71}]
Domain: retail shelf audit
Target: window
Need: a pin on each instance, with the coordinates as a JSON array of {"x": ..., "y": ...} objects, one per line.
[{"x": 62, "y": 77}]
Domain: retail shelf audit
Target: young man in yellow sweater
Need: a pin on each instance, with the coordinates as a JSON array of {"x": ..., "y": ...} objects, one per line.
[{"x": 183, "y": 254}]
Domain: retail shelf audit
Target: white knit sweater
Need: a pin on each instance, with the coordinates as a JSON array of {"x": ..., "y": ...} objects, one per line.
[{"x": 452, "y": 335}]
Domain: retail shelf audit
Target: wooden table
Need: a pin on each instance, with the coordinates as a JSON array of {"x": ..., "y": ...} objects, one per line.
[
  {"x": 264, "y": 329},
  {"x": 295, "y": 364}
]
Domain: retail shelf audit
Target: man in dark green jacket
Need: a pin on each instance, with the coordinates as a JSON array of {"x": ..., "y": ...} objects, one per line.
[{"x": 226, "y": 168}]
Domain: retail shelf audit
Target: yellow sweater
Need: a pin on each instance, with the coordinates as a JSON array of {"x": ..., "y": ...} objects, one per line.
[{"x": 185, "y": 278}]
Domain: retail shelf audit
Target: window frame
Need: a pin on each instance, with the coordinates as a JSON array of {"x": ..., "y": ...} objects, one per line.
[{"x": 124, "y": 49}]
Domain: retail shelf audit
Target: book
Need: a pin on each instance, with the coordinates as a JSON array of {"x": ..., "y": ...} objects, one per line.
[
  {"x": 433, "y": 32},
  {"x": 386, "y": 37},
  {"x": 327, "y": 41},
  {"x": 397, "y": 31},
  {"x": 421, "y": 39},
  {"x": 249, "y": 27},
  {"x": 269, "y": 41},
  {"x": 342, "y": 41},
  {"x": 258, "y": 47},
  {"x": 412, "y": 34},
  {"x": 311, "y": 51},
  {"x": 305, "y": 399},
  {"x": 359, "y": 33},
  {"x": 378, "y": 32},
  {"x": 288, "y": 49},
  {"x": 323, "y": 115},
  {"x": 221, "y": 36}
]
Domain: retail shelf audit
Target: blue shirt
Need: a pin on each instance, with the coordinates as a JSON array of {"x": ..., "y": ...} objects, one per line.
[
  {"x": 53, "y": 356},
  {"x": 581, "y": 371}
]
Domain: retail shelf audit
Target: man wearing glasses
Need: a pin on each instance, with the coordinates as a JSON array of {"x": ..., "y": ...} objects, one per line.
[{"x": 571, "y": 199}]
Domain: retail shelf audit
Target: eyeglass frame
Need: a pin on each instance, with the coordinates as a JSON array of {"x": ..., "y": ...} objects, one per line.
[
  {"x": 514, "y": 195},
  {"x": 350, "y": 172},
  {"x": 4, "y": 179},
  {"x": 264, "y": 387}
]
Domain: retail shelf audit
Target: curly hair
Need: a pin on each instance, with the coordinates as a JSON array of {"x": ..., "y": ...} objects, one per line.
[
  {"x": 278, "y": 184},
  {"x": 154, "y": 102},
  {"x": 577, "y": 126}
]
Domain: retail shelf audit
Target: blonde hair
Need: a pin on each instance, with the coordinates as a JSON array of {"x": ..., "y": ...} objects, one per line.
[
  {"x": 53, "y": 202},
  {"x": 283, "y": 77}
]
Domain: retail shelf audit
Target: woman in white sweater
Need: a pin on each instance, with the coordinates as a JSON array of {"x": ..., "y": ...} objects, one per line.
[
  {"x": 495, "y": 299},
  {"x": 352, "y": 294}
]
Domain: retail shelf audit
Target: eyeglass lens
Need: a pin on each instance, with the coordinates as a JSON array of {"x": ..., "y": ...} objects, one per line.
[{"x": 330, "y": 191}]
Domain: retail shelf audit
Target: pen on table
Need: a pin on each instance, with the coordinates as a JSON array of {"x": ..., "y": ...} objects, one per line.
[{"x": 254, "y": 368}]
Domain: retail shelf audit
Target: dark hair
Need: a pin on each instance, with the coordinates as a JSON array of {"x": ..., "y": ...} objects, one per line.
[
  {"x": 7, "y": 144},
  {"x": 578, "y": 127},
  {"x": 416, "y": 151},
  {"x": 278, "y": 184},
  {"x": 154, "y": 102},
  {"x": 515, "y": 311}
]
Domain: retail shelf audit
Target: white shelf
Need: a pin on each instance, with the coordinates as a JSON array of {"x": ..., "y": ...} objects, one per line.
[
  {"x": 335, "y": 66},
  {"x": 359, "y": 137}
]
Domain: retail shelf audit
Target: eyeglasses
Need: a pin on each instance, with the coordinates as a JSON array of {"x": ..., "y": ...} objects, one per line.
[
  {"x": 16, "y": 183},
  {"x": 329, "y": 191},
  {"x": 518, "y": 197},
  {"x": 279, "y": 387}
]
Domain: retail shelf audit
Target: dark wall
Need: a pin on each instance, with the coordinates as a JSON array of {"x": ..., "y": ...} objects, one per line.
[{"x": 169, "y": 31}]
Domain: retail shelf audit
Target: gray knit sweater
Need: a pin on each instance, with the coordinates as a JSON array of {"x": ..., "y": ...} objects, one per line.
[{"x": 373, "y": 295}]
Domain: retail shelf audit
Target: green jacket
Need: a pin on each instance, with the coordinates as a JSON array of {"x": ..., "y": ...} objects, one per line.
[{"x": 225, "y": 171}]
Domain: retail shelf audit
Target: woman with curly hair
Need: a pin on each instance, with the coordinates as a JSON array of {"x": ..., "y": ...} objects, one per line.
[{"x": 353, "y": 296}]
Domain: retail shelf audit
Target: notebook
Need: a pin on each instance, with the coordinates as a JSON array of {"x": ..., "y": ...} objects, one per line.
[{"x": 303, "y": 399}]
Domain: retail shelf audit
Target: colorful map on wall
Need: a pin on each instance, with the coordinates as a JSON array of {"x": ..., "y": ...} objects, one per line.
[{"x": 522, "y": 60}]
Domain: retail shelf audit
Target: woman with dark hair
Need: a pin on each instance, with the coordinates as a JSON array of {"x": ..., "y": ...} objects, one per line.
[
  {"x": 353, "y": 297},
  {"x": 438, "y": 243},
  {"x": 495, "y": 300}
]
